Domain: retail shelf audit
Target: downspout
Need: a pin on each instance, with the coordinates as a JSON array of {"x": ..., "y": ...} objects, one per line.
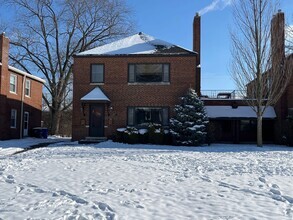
[{"x": 21, "y": 107}]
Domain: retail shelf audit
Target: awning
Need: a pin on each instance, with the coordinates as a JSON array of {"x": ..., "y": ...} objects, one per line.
[
  {"x": 239, "y": 112},
  {"x": 96, "y": 95}
]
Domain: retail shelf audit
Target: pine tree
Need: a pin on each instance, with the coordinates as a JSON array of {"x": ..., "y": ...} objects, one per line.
[{"x": 188, "y": 126}]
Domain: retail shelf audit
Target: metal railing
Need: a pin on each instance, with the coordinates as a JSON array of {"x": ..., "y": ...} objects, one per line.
[{"x": 223, "y": 94}]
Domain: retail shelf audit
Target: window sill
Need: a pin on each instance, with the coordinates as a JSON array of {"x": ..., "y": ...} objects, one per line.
[
  {"x": 150, "y": 83},
  {"x": 97, "y": 84},
  {"x": 13, "y": 93}
]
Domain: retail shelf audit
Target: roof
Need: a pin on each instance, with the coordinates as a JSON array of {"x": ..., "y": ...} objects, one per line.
[
  {"x": 95, "y": 95},
  {"x": 138, "y": 44},
  {"x": 11, "y": 68},
  {"x": 239, "y": 112}
]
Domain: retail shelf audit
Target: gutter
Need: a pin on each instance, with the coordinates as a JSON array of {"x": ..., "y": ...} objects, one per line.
[{"x": 21, "y": 107}]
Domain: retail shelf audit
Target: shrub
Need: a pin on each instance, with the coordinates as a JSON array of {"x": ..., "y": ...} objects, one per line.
[{"x": 188, "y": 127}]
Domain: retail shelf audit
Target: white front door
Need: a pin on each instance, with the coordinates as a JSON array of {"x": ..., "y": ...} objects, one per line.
[{"x": 25, "y": 124}]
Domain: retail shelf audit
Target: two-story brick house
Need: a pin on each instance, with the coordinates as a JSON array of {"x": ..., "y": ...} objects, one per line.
[
  {"x": 131, "y": 82},
  {"x": 20, "y": 98}
]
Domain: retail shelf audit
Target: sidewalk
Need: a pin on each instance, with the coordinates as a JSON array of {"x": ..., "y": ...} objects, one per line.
[{"x": 13, "y": 146}]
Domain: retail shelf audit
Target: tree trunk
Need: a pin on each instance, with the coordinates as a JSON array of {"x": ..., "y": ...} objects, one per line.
[
  {"x": 55, "y": 121},
  {"x": 259, "y": 130}
]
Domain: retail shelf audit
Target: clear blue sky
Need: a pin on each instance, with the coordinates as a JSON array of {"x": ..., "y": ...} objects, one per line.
[{"x": 171, "y": 20}]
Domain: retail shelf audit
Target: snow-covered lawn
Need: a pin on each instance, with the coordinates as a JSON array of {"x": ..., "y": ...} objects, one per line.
[{"x": 117, "y": 181}]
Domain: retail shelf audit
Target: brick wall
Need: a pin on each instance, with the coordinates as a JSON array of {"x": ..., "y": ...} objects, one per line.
[
  {"x": 8, "y": 100},
  {"x": 122, "y": 94}
]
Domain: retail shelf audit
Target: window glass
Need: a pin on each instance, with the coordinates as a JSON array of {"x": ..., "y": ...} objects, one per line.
[
  {"x": 97, "y": 73},
  {"x": 13, "y": 82},
  {"x": 148, "y": 73},
  {"x": 142, "y": 116},
  {"x": 27, "y": 87}
]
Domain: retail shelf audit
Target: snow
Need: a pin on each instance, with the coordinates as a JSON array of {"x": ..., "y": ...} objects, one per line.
[
  {"x": 9, "y": 147},
  {"x": 239, "y": 112},
  {"x": 136, "y": 44},
  {"x": 25, "y": 73},
  {"x": 95, "y": 95},
  {"x": 119, "y": 181},
  {"x": 143, "y": 131}
]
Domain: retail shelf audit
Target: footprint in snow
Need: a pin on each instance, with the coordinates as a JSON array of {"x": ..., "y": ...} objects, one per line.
[
  {"x": 262, "y": 179},
  {"x": 9, "y": 179},
  {"x": 19, "y": 189}
]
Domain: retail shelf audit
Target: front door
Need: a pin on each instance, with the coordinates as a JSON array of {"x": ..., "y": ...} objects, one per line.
[
  {"x": 25, "y": 124},
  {"x": 97, "y": 120}
]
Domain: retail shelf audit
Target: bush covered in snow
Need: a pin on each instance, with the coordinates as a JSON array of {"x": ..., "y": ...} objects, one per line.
[
  {"x": 188, "y": 126},
  {"x": 153, "y": 134}
]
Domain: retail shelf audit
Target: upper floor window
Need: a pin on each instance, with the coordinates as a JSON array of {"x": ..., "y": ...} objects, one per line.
[
  {"x": 28, "y": 87},
  {"x": 148, "y": 73},
  {"x": 97, "y": 73},
  {"x": 13, "y": 83},
  {"x": 13, "y": 118},
  {"x": 142, "y": 116}
]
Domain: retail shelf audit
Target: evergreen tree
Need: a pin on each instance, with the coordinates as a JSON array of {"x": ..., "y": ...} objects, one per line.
[{"x": 188, "y": 126}]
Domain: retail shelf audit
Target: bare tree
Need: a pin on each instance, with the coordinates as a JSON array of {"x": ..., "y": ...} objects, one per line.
[
  {"x": 50, "y": 32},
  {"x": 259, "y": 65}
]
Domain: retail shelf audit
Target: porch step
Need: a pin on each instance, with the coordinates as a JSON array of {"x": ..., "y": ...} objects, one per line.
[{"x": 92, "y": 140}]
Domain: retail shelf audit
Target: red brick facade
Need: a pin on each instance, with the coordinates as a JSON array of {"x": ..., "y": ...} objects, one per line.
[
  {"x": 25, "y": 105},
  {"x": 123, "y": 94}
]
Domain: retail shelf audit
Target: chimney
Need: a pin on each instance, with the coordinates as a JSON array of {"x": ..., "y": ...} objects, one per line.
[
  {"x": 4, "y": 50},
  {"x": 278, "y": 38},
  {"x": 196, "y": 48},
  {"x": 196, "y": 35}
]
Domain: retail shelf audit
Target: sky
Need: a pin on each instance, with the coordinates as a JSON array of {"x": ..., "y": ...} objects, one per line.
[{"x": 171, "y": 20}]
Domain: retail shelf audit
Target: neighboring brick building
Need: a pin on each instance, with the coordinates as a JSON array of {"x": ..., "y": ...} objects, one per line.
[
  {"x": 234, "y": 121},
  {"x": 284, "y": 107},
  {"x": 20, "y": 98},
  {"x": 130, "y": 82}
]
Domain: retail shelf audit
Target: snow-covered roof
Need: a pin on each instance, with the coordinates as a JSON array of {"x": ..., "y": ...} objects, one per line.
[
  {"x": 239, "y": 112},
  {"x": 24, "y": 73},
  {"x": 95, "y": 95},
  {"x": 137, "y": 44}
]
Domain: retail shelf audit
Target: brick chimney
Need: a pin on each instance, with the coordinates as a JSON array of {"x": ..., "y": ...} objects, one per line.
[
  {"x": 4, "y": 49},
  {"x": 196, "y": 48},
  {"x": 278, "y": 38},
  {"x": 4, "y": 54}
]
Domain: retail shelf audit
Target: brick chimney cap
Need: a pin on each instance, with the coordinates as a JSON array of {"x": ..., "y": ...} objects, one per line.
[{"x": 197, "y": 14}]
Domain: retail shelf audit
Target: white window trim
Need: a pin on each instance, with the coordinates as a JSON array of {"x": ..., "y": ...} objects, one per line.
[
  {"x": 15, "y": 76},
  {"x": 29, "y": 89},
  {"x": 15, "y": 119}
]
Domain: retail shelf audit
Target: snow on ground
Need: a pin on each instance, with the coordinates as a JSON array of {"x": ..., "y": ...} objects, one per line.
[
  {"x": 119, "y": 181},
  {"x": 12, "y": 146}
]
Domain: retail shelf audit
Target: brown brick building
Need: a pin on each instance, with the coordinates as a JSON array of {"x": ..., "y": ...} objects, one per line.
[
  {"x": 130, "y": 82},
  {"x": 20, "y": 98}
]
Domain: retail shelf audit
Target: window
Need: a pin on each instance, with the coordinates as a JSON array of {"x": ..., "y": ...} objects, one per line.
[
  {"x": 97, "y": 73},
  {"x": 28, "y": 87},
  {"x": 13, "y": 118},
  {"x": 142, "y": 116},
  {"x": 148, "y": 73},
  {"x": 13, "y": 83}
]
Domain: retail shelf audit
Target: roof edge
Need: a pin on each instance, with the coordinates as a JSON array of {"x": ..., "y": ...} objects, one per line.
[
  {"x": 138, "y": 55},
  {"x": 25, "y": 74}
]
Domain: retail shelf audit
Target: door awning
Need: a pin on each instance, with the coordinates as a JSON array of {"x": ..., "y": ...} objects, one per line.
[
  {"x": 237, "y": 113},
  {"x": 96, "y": 95}
]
